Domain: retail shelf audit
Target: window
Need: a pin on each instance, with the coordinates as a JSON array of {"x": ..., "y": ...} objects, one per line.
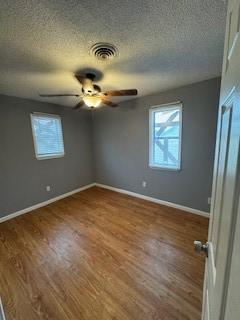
[
  {"x": 165, "y": 136},
  {"x": 47, "y": 135}
]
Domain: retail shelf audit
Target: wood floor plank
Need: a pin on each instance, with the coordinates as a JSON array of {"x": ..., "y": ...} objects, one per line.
[{"x": 102, "y": 255}]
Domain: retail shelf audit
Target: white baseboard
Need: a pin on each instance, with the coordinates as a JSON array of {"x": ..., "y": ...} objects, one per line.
[
  {"x": 130, "y": 193},
  {"x": 165, "y": 203},
  {"x": 44, "y": 203}
]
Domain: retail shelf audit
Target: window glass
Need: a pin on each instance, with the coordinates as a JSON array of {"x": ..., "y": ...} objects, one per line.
[
  {"x": 165, "y": 136},
  {"x": 47, "y": 136}
]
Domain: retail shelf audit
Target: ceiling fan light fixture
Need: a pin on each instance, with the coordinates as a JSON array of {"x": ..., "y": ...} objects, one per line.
[{"x": 91, "y": 101}]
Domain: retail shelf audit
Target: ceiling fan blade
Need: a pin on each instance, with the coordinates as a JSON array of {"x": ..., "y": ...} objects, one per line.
[
  {"x": 109, "y": 103},
  {"x": 79, "y": 105},
  {"x": 115, "y": 93},
  {"x": 59, "y": 95}
]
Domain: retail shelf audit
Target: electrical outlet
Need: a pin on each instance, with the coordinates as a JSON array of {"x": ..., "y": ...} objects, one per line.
[
  {"x": 144, "y": 184},
  {"x": 48, "y": 188},
  {"x": 209, "y": 200}
]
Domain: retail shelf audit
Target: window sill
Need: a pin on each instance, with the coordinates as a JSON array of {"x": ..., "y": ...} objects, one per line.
[
  {"x": 164, "y": 169},
  {"x": 50, "y": 157}
]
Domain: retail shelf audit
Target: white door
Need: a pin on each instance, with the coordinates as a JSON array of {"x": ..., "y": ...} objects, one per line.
[{"x": 221, "y": 299}]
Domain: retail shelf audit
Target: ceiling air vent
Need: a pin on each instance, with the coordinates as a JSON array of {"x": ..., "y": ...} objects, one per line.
[{"x": 104, "y": 51}]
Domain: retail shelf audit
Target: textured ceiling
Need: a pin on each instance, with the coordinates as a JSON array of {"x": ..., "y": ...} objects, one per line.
[{"x": 162, "y": 44}]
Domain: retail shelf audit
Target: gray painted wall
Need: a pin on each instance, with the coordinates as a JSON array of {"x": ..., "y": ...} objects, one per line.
[
  {"x": 23, "y": 178},
  {"x": 121, "y": 146},
  {"x": 112, "y": 149}
]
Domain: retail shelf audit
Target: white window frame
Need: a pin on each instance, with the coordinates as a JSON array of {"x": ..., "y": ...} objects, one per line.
[
  {"x": 163, "y": 107},
  {"x": 50, "y": 156}
]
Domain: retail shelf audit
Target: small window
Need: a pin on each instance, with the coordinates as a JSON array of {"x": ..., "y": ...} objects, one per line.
[
  {"x": 165, "y": 136},
  {"x": 47, "y": 135}
]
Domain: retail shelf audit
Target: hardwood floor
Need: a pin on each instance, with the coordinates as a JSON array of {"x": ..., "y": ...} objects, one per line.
[{"x": 102, "y": 255}]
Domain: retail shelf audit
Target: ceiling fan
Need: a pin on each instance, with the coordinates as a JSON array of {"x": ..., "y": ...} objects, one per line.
[{"x": 92, "y": 95}]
